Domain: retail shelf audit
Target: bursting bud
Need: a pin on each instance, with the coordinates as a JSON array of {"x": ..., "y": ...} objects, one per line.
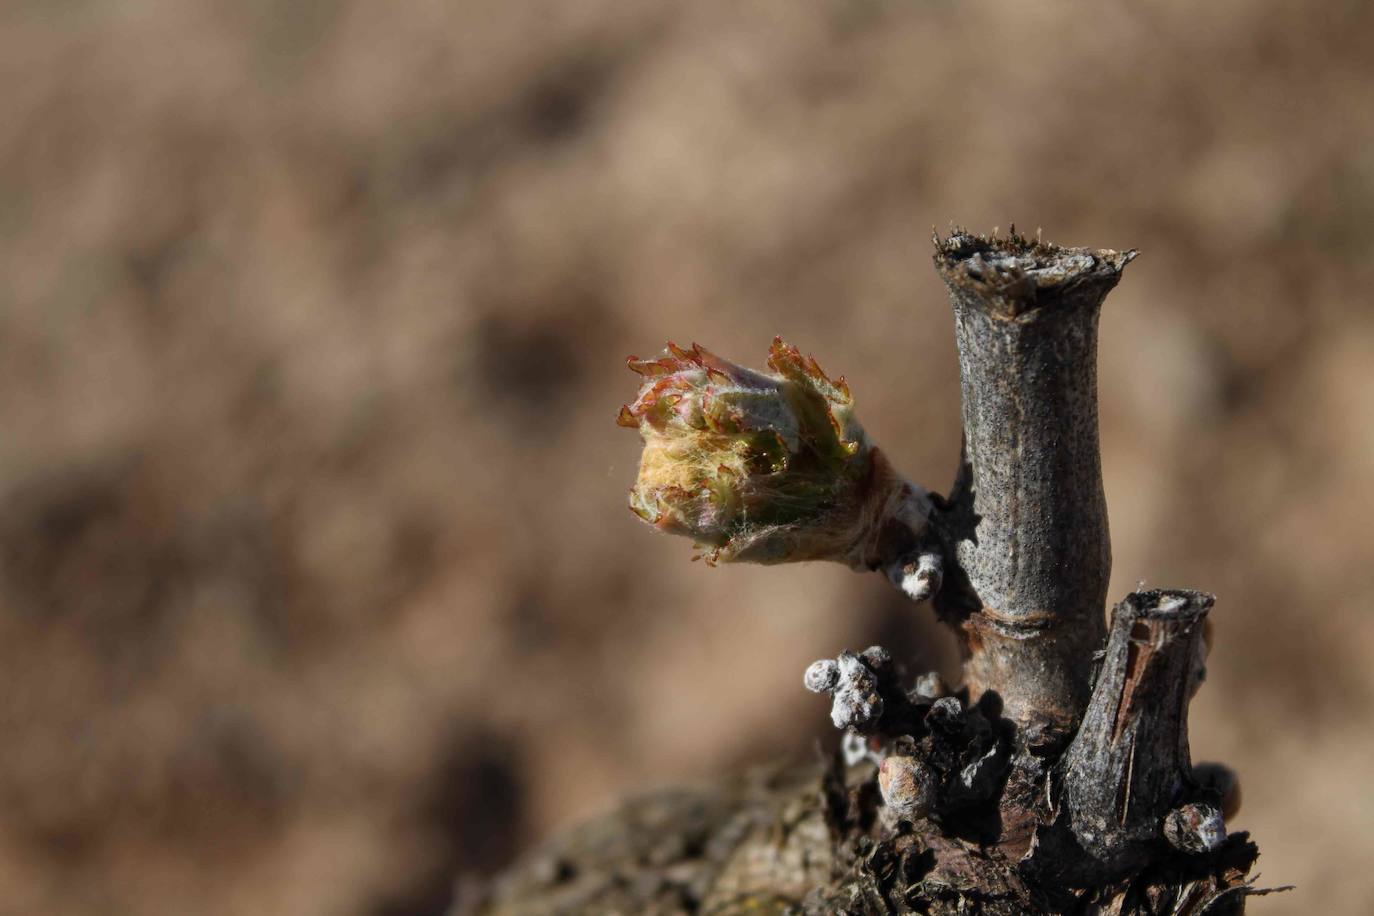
[{"x": 763, "y": 468}]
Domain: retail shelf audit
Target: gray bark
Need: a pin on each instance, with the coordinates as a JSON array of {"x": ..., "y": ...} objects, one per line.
[
  {"x": 1027, "y": 520},
  {"x": 1129, "y": 764}
]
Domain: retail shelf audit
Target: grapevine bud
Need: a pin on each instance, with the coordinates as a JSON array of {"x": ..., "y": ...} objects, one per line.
[
  {"x": 854, "y": 686},
  {"x": 765, "y": 468},
  {"x": 908, "y": 785},
  {"x": 1195, "y": 828}
]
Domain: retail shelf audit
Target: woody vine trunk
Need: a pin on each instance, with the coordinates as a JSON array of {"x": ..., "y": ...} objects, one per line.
[{"x": 1057, "y": 778}]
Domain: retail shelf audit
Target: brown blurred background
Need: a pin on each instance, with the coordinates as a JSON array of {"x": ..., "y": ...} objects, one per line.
[{"x": 317, "y": 586}]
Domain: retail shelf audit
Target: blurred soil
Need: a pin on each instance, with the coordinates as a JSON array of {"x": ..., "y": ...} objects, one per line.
[{"x": 317, "y": 586}]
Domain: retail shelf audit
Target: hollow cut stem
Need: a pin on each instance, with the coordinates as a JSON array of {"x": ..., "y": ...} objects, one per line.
[{"x": 1026, "y": 525}]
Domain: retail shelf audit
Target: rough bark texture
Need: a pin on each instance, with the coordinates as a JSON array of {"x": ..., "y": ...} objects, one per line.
[
  {"x": 1058, "y": 778},
  {"x": 1129, "y": 764},
  {"x": 815, "y": 840},
  {"x": 1027, "y": 522}
]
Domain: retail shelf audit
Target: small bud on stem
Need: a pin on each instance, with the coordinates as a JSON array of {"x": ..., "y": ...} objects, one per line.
[
  {"x": 1195, "y": 828},
  {"x": 909, "y": 786}
]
